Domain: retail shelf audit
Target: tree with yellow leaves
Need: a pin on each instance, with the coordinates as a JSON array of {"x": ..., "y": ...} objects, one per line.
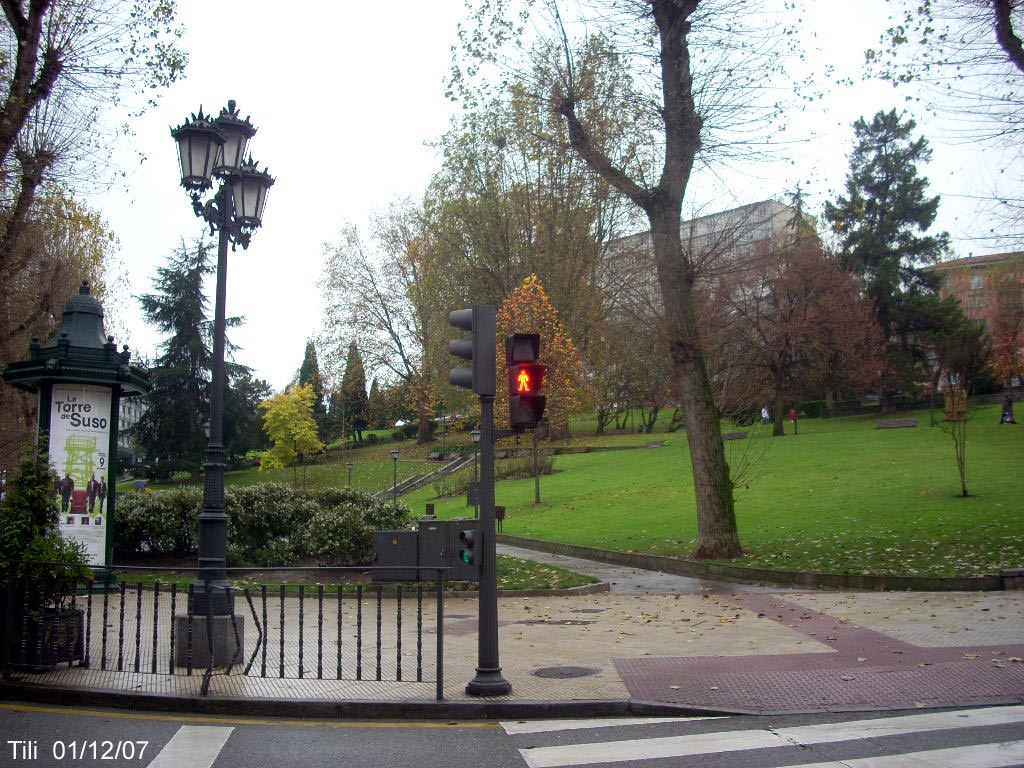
[
  {"x": 529, "y": 310},
  {"x": 289, "y": 423}
]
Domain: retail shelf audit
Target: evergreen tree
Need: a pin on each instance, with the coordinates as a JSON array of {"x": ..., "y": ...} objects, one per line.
[
  {"x": 243, "y": 425},
  {"x": 170, "y": 430},
  {"x": 881, "y": 222},
  {"x": 309, "y": 373},
  {"x": 377, "y": 407},
  {"x": 353, "y": 394}
]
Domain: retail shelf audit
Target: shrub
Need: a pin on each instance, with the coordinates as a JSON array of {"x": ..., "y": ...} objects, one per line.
[
  {"x": 269, "y": 524},
  {"x": 161, "y": 523},
  {"x": 372, "y": 439},
  {"x": 813, "y": 409},
  {"x": 264, "y": 519},
  {"x": 398, "y": 436}
]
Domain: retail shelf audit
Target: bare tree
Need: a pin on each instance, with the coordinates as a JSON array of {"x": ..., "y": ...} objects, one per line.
[
  {"x": 698, "y": 90},
  {"x": 385, "y": 294},
  {"x": 964, "y": 61}
]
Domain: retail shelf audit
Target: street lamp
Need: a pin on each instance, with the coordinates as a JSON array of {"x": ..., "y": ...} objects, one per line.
[
  {"x": 394, "y": 483},
  {"x": 208, "y": 149},
  {"x": 474, "y": 435},
  {"x": 349, "y": 464}
]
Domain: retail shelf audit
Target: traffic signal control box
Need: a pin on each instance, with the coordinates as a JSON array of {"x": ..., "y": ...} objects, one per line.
[
  {"x": 451, "y": 544},
  {"x": 442, "y": 544},
  {"x": 391, "y": 549}
]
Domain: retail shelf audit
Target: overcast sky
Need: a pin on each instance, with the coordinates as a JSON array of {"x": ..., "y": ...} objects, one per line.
[{"x": 346, "y": 100}]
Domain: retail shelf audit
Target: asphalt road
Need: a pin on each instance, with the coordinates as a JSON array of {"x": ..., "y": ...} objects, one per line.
[{"x": 54, "y": 736}]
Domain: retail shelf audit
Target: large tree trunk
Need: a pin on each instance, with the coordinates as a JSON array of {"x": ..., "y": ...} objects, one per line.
[{"x": 717, "y": 535}]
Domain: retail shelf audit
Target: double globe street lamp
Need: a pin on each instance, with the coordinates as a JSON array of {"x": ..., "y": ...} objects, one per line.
[{"x": 215, "y": 149}]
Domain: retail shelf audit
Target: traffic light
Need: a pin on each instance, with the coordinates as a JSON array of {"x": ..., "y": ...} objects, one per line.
[
  {"x": 525, "y": 380},
  {"x": 466, "y": 541},
  {"x": 464, "y": 547},
  {"x": 479, "y": 348}
]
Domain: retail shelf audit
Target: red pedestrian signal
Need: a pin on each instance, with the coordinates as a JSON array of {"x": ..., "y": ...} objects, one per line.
[{"x": 525, "y": 380}]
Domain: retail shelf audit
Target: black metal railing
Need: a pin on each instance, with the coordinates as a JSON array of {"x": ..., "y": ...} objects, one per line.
[{"x": 339, "y": 628}]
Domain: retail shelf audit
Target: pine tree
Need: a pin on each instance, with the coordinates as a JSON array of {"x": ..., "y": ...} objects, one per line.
[
  {"x": 377, "y": 407},
  {"x": 170, "y": 430},
  {"x": 881, "y": 222},
  {"x": 309, "y": 373},
  {"x": 353, "y": 394}
]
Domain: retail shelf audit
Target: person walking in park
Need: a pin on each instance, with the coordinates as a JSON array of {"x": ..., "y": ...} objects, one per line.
[{"x": 1006, "y": 416}]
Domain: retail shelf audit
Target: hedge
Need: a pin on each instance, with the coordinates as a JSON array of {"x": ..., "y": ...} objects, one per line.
[{"x": 269, "y": 524}]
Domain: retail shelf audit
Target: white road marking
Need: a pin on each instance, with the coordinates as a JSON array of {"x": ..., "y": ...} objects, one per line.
[
  {"x": 734, "y": 741},
  {"x": 546, "y": 726},
  {"x": 193, "y": 746},
  {"x": 1003, "y": 754}
]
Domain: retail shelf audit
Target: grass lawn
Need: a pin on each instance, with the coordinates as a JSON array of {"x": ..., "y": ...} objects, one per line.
[
  {"x": 513, "y": 573},
  {"x": 840, "y": 496}
]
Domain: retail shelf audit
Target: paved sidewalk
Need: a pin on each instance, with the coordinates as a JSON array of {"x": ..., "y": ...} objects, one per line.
[
  {"x": 584, "y": 654},
  {"x": 630, "y": 581}
]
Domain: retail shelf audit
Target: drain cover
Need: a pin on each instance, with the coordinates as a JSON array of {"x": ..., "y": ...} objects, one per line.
[{"x": 564, "y": 672}]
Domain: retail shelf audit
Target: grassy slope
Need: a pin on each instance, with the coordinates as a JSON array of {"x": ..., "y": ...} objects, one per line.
[{"x": 840, "y": 496}]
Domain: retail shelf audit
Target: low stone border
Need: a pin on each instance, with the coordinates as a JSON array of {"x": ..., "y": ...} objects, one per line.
[{"x": 727, "y": 572}]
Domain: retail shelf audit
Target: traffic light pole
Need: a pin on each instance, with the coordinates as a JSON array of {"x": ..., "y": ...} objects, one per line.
[{"x": 488, "y": 680}]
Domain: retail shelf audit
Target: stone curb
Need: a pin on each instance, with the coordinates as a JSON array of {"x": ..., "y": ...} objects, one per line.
[
  {"x": 725, "y": 572},
  {"x": 403, "y": 710},
  {"x": 445, "y": 709}
]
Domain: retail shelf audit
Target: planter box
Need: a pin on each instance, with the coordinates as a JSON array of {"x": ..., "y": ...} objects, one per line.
[{"x": 55, "y": 637}]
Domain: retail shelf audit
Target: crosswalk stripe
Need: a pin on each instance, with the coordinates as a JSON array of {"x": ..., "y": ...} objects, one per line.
[
  {"x": 546, "y": 726},
  {"x": 733, "y": 741},
  {"x": 1003, "y": 754},
  {"x": 193, "y": 746}
]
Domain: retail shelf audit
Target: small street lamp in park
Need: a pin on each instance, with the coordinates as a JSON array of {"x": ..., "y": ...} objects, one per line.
[
  {"x": 394, "y": 484},
  {"x": 474, "y": 435},
  {"x": 215, "y": 149},
  {"x": 349, "y": 465}
]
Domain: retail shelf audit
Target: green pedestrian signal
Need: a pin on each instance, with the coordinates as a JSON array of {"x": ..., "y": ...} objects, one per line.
[{"x": 467, "y": 539}]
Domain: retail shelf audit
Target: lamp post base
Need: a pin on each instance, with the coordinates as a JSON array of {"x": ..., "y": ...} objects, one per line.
[{"x": 488, "y": 682}]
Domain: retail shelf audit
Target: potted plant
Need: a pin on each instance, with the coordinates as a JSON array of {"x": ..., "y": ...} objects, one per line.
[{"x": 41, "y": 571}]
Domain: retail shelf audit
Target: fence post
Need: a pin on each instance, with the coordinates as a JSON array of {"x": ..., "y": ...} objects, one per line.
[{"x": 440, "y": 634}]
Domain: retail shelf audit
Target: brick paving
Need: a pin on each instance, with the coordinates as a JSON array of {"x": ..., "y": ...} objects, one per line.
[{"x": 866, "y": 668}]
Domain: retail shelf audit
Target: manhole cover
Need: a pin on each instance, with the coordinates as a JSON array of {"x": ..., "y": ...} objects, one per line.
[
  {"x": 564, "y": 672},
  {"x": 556, "y": 622}
]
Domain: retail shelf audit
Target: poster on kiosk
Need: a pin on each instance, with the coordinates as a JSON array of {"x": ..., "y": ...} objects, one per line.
[{"x": 79, "y": 450}]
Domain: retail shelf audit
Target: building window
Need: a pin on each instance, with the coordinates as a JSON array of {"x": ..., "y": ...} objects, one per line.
[
  {"x": 977, "y": 281},
  {"x": 976, "y": 302}
]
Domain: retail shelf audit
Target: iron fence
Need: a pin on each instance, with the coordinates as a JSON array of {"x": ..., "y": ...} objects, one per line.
[{"x": 339, "y": 627}]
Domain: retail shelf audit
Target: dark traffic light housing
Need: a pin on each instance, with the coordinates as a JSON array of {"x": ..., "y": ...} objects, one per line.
[
  {"x": 466, "y": 541},
  {"x": 479, "y": 348},
  {"x": 525, "y": 380}
]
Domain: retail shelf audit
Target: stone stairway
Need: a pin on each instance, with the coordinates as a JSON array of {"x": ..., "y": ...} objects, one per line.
[{"x": 410, "y": 484}]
